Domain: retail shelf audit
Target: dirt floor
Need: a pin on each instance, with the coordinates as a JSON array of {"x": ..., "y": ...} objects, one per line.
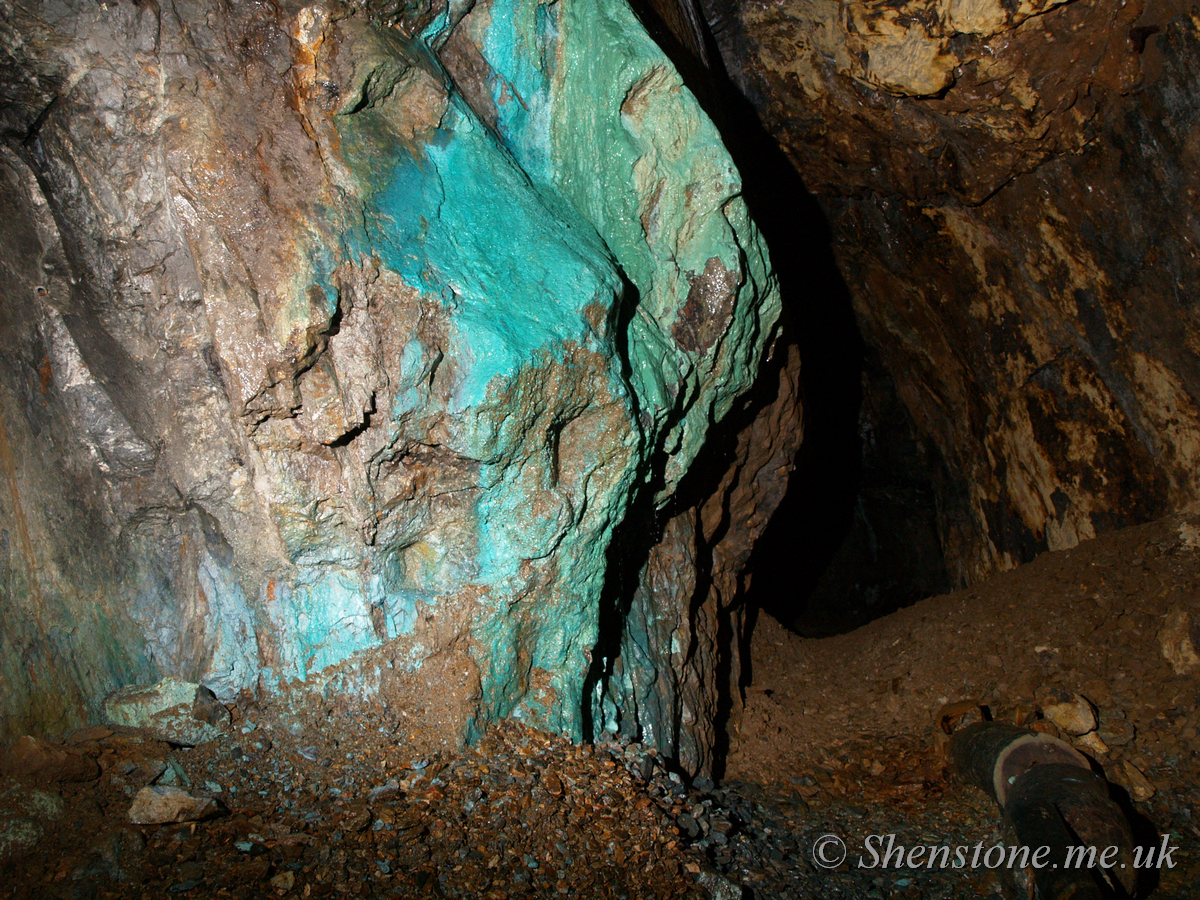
[
  {"x": 847, "y": 727},
  {"x": 842, "y": 740}
]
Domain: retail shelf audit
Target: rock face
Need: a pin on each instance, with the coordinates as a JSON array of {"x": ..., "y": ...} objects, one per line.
[
  {"x": 1011, "y": 190},
  {"x": 341, "y": 346}
]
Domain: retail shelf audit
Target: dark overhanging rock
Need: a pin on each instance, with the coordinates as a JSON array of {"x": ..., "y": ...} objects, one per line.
[
  {"x": 1010, "y": 192},
  {"x": 330, "y": 371}
]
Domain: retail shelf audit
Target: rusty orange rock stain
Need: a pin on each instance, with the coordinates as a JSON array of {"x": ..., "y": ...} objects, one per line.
[{"x": 46, "y": 374}]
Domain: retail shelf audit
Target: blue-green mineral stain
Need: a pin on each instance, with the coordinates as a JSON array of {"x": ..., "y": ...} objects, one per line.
[
  {"x": 456, "y": 218},
  {"x": 600, "y": 172}
]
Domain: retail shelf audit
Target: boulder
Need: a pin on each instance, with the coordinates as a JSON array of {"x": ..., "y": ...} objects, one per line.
[{"x": 166, "y": 709}]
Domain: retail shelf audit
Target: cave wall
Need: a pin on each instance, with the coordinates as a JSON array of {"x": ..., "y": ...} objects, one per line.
[
  {"x": 1011, "y": 191},
  {"x": 342, "y": 345}
]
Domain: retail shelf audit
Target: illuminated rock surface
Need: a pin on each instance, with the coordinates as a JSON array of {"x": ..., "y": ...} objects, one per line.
[
  {"x": 365, "y": 350},
  {"x": 1011, "y": 190}
]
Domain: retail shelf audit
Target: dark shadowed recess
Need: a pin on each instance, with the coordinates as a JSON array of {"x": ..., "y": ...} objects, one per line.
[{"x": 856, "y": 536}]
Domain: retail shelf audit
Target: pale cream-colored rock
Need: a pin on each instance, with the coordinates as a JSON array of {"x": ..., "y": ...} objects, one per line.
[
  {"x": 1138, "y": 784},
  {"x": 161, "y": 804},
  {"x": 1178, "y": 647},
  {"x": 976, "y": 16},
  {"x": 908, "y": 60},
  {"x": 1076, "y": 717},
  {"x": 988, "y": 17},
  {"x": 1092, "y": 743},
  {"x": 284, "y": 881}
]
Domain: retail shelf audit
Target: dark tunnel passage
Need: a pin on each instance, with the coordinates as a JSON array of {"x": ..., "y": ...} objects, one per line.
[{"x": 856, "y": 535}]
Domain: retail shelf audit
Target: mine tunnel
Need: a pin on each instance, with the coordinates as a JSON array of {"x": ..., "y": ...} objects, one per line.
[{"x": 589, "y": 449}]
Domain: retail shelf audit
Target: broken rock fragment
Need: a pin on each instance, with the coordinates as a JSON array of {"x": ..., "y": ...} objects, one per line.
[
  {"x": 162, "y": 804},
  {"x": 172, "y": 710},
  {"x": 1178, "y": 639},
  {"x": 1076, "y": 716}
]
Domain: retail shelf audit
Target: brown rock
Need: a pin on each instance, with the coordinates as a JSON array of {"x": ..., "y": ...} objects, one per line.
[
  {"x": 1043, "y": 726},
  {"x": 207, "y": 708},
  {"x": 30, "y": 757},
  {"x": 162, "y": 804},
  {"x": 1116, "y": 730},
  {"x": 993, "y": 149}
]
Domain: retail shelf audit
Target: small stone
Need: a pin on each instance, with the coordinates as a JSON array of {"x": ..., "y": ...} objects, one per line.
[
  {"x": 384, "y": 792},
  {"x": 173, "y": 774},
  {"x": 284, "y": 881},
  {"x": 1116, "y": 732},
  {"x": 1043, "y": 726},
  {"x": 161, "y": 804},
  {"x": 1076, "y": 717},
  {"x": 1092, "y": 743},
  {"x": 553, "y": 784},
  {"x": 1140, "y": 788},
  {"x": 688, "y": 824}
]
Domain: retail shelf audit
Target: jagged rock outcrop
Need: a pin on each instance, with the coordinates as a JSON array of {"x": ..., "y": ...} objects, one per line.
[
  {"x": 1011, "y": 190},
  {"x": 340, "y": 343}
]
